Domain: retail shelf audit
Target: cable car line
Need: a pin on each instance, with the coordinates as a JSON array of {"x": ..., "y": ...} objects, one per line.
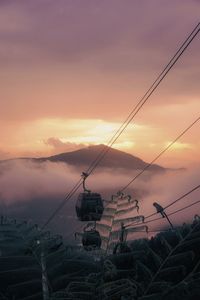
[
  {"x": 160, "y": 154},
  {"x": 170, "y": 214},
  {"x": 194, "y": 189},
  {"x": 156, "y": 219},
  {"x": 161, "y": 218},
  {"x": 151, "y": 90},
  {"x": 111, "y": 141},
  {"x": 146, "y": 96},
  {"x": 137, "y": 108},
  {"x": 185, "y": 207},
  {"x": 79, "y": 183},
  {"x": 178, "y": 199}
]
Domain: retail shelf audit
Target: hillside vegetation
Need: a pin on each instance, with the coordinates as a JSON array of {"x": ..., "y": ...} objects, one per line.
[{"x": 165, "y": 267}]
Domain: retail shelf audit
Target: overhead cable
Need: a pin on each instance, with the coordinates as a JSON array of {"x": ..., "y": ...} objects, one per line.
[
  {"x": 130, "y": 117},
  {"x": 170, "y": 214},
  {"x": 147, "y": 95},
  {"x": 160, "y": 154},
  {"x": 178, "y": 199}
]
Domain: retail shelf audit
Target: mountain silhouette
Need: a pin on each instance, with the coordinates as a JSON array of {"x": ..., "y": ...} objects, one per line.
[{"x": 113, "y": 159}]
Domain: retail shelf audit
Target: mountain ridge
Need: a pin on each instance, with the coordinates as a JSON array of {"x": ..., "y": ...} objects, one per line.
[{"x": 86, "y": 156}]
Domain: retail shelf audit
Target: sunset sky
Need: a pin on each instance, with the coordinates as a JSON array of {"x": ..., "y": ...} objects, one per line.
[{"x": 72, "y": 70}]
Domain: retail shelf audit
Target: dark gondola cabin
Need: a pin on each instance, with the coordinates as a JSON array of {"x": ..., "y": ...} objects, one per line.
[
  {"x": 91, "y": 240},
  {"x": 89, "y": 207}
]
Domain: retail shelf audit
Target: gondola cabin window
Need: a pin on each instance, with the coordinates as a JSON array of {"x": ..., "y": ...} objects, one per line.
[{"x": 89, "y": 207}]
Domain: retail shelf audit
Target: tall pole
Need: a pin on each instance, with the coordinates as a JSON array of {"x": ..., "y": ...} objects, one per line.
[{"x": 45, "y": 288}]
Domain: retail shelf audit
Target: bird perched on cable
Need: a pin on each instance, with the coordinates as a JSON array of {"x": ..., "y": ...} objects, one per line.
[{"x": 159, "y": 209}]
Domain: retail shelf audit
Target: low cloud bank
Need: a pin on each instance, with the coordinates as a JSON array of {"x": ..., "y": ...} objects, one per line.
[{"x": 32, "y": 191}]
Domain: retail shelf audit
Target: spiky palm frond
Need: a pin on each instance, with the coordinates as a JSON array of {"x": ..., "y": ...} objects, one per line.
[
  {"x": 174, "y": 268},
  {"x": 103, "y": 228},
  {"x": 126, "y": 204},
  {"x": 117, "y": 289},
  {"x": 137, "y": 229},
  {"x": 106, "y": 218},
  {"x": 109, "y": 211},
  {"x": 117, "y": 233},
  {"x": 130, "y": 210},
  {"x": 127, "y": 221}
]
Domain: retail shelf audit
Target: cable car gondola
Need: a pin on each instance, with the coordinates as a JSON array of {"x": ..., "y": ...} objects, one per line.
[
  {"x": 91, "y": 238},
  {"x": 89, "y": 206}
]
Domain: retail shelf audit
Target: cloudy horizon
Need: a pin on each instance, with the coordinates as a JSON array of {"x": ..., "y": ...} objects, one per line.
[{"x": 71, "y": 71}]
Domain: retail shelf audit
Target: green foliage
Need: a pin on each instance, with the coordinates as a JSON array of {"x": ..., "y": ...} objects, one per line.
[
  {"x": 153, "y": 259},
  {"x": 172, "y": 274},
  {"x": 177, "y": 259},
  {"x": 176, "y": 266},
  {"x": 117, "y": 289},
  {"x": 144, "y": 274},
  {"x": 166, "y": 267},
  {"x": 167, "y": 246}
]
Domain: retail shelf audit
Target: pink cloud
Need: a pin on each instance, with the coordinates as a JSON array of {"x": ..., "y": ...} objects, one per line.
[{"x": 59, "y": 145}]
